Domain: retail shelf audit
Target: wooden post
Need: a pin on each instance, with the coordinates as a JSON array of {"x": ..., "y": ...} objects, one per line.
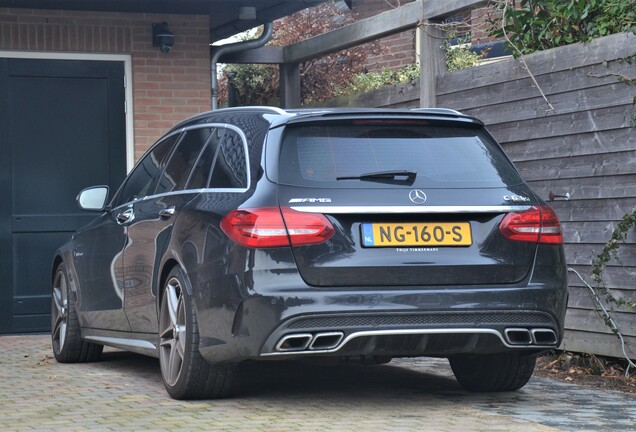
[
  {"x": 290, "y": 85},
  {"x": 432, "y": 61}
]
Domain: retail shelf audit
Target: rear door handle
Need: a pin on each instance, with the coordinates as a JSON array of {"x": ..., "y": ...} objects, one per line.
[
  {"x": 167, "y": 212},
  {"x": 125, "y": 216}
]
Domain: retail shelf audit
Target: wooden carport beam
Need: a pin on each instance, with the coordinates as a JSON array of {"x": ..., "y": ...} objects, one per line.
[
  {"x": 421, "y": 13},
  {"x": 290, "y": 85},
  {"x": 432, "y": 62},
  {"x": 263, "y": 55},
  {"x": 387, "y": 23}
]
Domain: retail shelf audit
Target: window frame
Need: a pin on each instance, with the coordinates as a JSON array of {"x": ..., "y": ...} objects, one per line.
[
  {"x": 182, "y": 131},
  {"x": 246, "y": 157}
]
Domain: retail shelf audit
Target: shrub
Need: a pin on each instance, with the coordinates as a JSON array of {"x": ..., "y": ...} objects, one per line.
[
  {"x": 374, "y": 80},
  {"x": 544, "y": 24},
  {"x": 460, "y": 56}
]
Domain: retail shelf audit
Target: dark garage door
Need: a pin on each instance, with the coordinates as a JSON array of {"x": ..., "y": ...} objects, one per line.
[{"x": 62, "y": 128}]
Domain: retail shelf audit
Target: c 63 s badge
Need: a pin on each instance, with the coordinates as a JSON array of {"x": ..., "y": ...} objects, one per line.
[
  {"x": 516, "y": 198},
  {"x": 309, "y": 200}
]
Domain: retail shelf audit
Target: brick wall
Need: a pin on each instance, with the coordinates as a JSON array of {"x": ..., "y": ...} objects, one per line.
[
  {"x": 479, "y": 20},
  {"x": 167, "y": 86},
  {"x": 399, "y": 49}
]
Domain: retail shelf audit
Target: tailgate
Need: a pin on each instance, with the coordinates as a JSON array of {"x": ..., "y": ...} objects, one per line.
[{"x": 380, "y": 240}]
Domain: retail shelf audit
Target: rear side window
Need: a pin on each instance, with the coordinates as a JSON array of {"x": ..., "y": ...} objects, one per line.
[
  {"x": 223, "y": 162},
  {"x": 443, "y": 154},
  {"x": 182, "y": 161},
  {"x": 230, "y": 164},
  {"x": 200, "y": 177}
]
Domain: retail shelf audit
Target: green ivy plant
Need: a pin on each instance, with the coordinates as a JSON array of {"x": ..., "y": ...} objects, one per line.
[
  {"x": 544, "y": 24},
  {"x": 609, "y": 252},
  {"x": 459, "y": 56}
]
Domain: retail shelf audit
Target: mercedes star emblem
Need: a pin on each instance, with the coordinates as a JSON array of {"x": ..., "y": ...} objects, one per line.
[{"x": 417, "y": 196}]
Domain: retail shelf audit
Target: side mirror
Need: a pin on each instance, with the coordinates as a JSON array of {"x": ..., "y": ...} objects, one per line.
[{"x": 93, "y": 198}]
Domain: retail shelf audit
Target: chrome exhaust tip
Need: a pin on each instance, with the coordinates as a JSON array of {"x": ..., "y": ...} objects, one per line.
[
  {"x": 518, "y": 336},
  {"x": 326, "y": 341},
  {"x": 544, "y": 337},
  {"x": 294, "y": 342}
]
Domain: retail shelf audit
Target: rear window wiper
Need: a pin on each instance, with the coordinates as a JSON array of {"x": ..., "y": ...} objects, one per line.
[{"x": 396, "y": 175}]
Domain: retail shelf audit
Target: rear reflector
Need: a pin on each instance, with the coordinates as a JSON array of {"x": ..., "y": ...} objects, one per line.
[
  {"x": 535, "y": 225},
  {"x": 266, "y": 227}
]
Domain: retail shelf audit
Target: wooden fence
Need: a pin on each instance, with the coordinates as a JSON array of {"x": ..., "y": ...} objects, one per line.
[{"x": 585, "y": 147}]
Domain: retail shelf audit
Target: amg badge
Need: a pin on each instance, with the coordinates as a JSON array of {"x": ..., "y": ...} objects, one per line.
[{"x": 310, "y": 200}]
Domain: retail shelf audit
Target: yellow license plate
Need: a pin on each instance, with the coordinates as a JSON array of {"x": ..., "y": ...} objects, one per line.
[{"x": 416, "y": 234}]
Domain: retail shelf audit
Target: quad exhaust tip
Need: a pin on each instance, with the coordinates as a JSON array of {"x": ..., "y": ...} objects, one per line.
[
  {"x": 544, "y": 337},
  {"x": 307, "y": 341},
  {"x": 326, "y": 341},
  {"x": 518, "y": 336},
  {"x": 524, "y": 336},
  {"x": 294, "y": 342}
]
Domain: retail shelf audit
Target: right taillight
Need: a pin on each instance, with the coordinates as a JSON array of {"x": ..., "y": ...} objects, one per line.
[
  {"x": 266, "y": 227},
  {"x": 535, "y": 225}
]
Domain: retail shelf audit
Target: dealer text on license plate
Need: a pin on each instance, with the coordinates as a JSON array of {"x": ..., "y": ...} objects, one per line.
[{"x": 416, "y": 234}]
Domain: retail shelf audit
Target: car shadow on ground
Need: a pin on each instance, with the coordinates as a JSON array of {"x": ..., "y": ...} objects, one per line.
[
  {"x": 297, "y": 377},
  {"x": 305, "y": 378}
]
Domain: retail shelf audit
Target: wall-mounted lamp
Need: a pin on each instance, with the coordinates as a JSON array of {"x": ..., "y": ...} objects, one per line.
[{"x": 162, "y": 37}]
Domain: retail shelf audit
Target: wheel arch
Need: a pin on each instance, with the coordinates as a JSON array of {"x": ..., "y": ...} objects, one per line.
[
  {"x": 57, "y": 260},
  {"x": 167, "y": 267}
]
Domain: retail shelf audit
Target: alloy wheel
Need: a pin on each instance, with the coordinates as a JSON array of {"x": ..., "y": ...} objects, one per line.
[
  {"x": 172, "y": 332},
  {"x": 59, "y": 312}
]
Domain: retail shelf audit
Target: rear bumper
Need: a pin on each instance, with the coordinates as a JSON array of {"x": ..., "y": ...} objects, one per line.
[
  {"x": 426, "y": 322},
  {"x": 252, "y": 319}
]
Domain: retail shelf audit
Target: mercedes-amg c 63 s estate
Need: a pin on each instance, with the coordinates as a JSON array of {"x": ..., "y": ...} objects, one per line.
[{"x": 257, "y": 233}]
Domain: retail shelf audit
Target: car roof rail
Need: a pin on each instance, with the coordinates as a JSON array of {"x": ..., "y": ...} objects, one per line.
[
  {"x": 268, "y": 109},
  {"x": 439, "y": 111},
  {"x": 245, "y": 109}
]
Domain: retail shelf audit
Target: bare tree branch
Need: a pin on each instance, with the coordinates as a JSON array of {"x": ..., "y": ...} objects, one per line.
[{"x": 523, "y": 61}]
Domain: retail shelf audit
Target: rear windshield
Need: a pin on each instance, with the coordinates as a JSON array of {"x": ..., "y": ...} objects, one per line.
[{"x": 443, "y": 155}]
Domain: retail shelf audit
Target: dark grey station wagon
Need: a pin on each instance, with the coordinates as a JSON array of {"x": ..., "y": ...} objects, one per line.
[{"x": 257, "y": 233}]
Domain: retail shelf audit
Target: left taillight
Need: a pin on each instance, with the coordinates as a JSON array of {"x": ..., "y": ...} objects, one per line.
[
  {"x": 266, "y": 227},
  {"x": 535, "y": 225}
]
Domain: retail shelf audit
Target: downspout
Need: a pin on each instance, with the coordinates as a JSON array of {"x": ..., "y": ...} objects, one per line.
[{"x": 218, "y": 51}]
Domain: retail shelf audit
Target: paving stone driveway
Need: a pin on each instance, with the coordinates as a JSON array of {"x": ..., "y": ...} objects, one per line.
[{"x": 124, "y": 392}]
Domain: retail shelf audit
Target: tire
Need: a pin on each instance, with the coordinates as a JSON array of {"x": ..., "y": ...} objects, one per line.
[
  {"x": 66, "y": 340},
  {"x": 185, "y": 373},
  {"x": 493, "y": 372}
]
